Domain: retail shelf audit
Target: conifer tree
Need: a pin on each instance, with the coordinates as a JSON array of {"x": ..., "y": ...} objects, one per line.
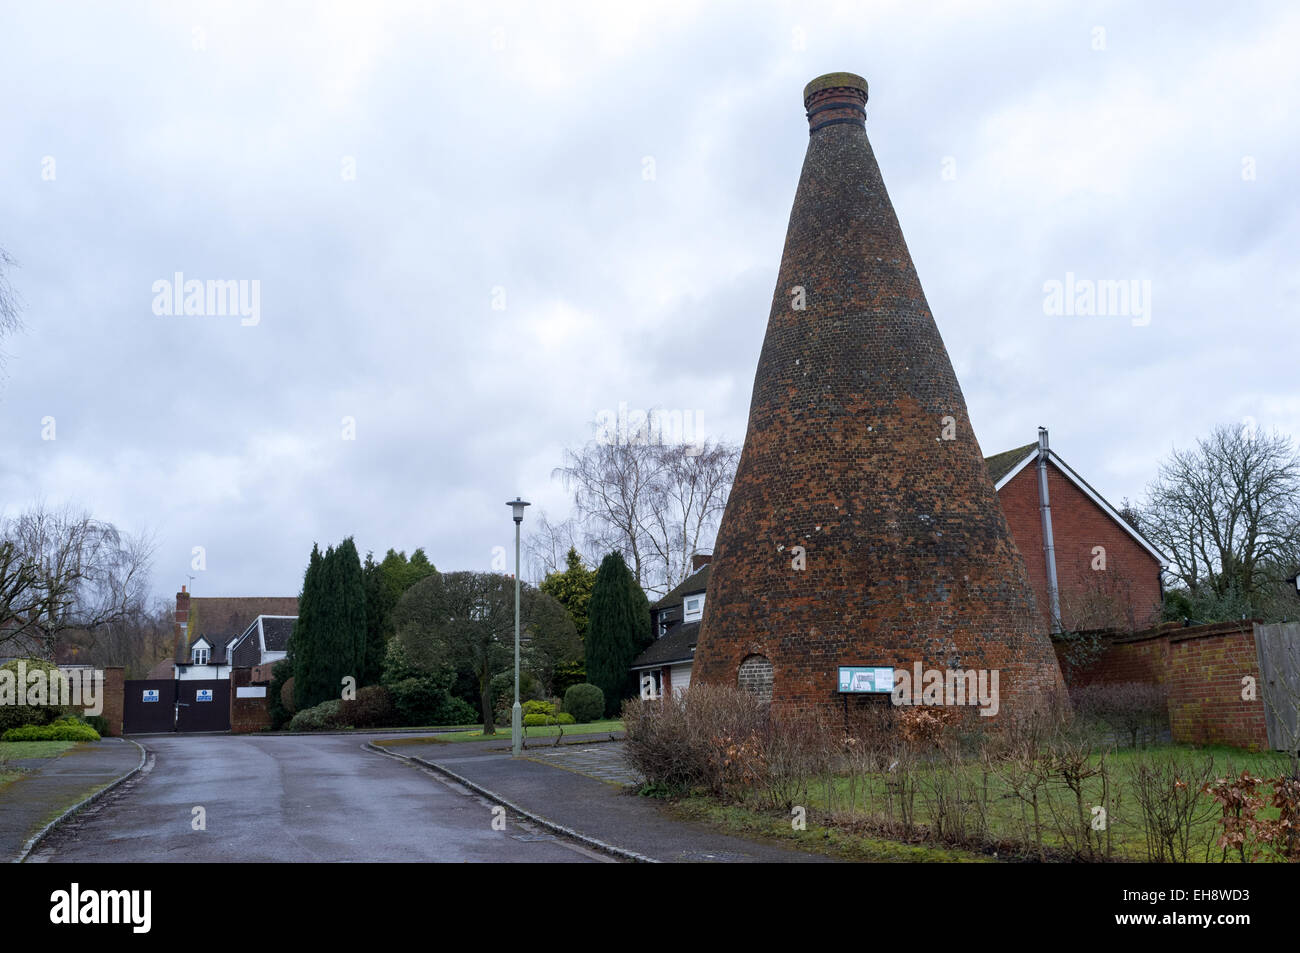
[{"x": 617, "y": 623}]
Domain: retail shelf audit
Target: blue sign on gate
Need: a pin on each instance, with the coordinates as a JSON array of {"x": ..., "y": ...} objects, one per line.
[
  {"x": 151, "y": 694},
  {"x": 204, "y": 695}
]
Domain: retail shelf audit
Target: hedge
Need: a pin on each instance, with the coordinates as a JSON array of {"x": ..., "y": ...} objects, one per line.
[{"x": 65, "y": 729}]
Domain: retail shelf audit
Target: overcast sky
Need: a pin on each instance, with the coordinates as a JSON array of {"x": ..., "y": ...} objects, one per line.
[{"x": 475, "y": 226}]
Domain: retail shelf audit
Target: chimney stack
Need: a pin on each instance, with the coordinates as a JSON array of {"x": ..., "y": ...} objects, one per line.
[
  {"x": 862, "y": 528},
  {"x": 180, "y": 627},
  {"x": 699, "y": 561}
]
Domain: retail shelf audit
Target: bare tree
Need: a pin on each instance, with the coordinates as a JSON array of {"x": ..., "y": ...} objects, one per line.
[
  {"x": 656, "y": 504},
  {"x": 9, "y": 320},
  {"x": 548, "y": 543},
  {"x": 62, "y": 570},
  {"x": 1228, "y": 513}
]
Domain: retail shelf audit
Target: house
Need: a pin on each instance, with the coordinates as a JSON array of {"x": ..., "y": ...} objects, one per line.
[
  {"x": 1089, "y": 567},
  {"x": 214, "y": 634},
  {"x": 665, "y": 666}
]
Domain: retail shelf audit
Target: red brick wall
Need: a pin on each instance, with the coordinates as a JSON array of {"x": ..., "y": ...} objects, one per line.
[
  {"x": 1201, "y": 667},
  {"x": 1205, "y": 703},
  {"x": 1126, "y": 595},
  {"x": 246, "y": 714},
  {"x": 114, "y": 693}
]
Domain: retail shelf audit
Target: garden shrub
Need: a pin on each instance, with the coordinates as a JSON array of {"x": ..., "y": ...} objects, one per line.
[
  {"x": 535, "y": 706},
  {"x": 1135, "y": 711},
  {"x": 708, "y": 736},
  {"x": 585, "y": 702},
  {"x": 322, "y": 717},
  {"x": 16, "y": 716},
  {"x": 99, "y": 723},
  {"x": 538, "y": 719},
  {"x": 64, "y": 729},
  {"x": 457, "y": 711},
  {"x": 372, "y": 708}
]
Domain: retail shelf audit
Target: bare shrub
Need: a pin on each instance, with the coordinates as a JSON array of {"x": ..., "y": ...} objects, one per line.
[
  {"x": 1133, "y": 710},
  {"x": 709, "y": 737},
  {"x": 1168, "y": 791}
]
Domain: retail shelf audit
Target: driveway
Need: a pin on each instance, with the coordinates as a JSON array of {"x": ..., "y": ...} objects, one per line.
[{"x": 292, "y": 798}]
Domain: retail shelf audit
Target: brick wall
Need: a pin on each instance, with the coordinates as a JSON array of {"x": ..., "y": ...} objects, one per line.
[
  {"x": 1125, "y": 595},
  {"x": 114, "y": 695},
  {"x": 246, "y": 714},
  {"x": 1202, "y": 668}
]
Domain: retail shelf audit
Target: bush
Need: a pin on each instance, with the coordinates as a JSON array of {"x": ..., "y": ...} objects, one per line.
[
  {"x": 705, "y": 737},
  {"x": 16, "y": 716},
  {"x": 99, "y": 723},
  {"x": 457, "y": 711},
  {"x": 539, "y": 720},
  {"x": 585, "y": 702},
  {"x": 1132, "y": 710},
  {"x": 279, "y": 701},
  {"x": 564, "y": 718},
  {"x": 64, "y": 729},
  {"x": 536, "y": 706},
  {"x": 372, "y": 708},
  {"x": 502, "y": 690},
  {"x": 325, "y": 716}
]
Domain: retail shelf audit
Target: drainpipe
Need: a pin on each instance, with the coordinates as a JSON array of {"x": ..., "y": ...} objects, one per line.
[{"x": 1049, "y": 546}]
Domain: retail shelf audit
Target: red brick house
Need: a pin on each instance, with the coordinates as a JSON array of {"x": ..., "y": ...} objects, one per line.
[{"x": 1107, "y": 574}]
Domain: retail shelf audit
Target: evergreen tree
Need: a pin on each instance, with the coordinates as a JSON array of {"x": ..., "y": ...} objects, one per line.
[
  {"x": 378, "y": 611},
  {"x": 572, "y": 589},
  {"x": 350, "y": 621},
  {"x": 305, "y": 634},
  {"x": 617, "y": 623}
]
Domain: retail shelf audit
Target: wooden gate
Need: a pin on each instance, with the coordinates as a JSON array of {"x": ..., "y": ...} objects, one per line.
[
  {"x": 153, "y": 705},
  {"x": 148, "y": 705},
  {"x": 1278, "y": 650}
]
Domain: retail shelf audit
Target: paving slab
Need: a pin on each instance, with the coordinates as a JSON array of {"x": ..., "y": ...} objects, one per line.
[{"x": 550, "y": 783}]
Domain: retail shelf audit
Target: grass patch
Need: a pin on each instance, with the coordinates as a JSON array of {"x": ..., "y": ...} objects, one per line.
[
  {"x": 503, "y": 734},
  {"x": 832, "y": 841},
  {"x": 1009, "y": 818},
  {"x": 15, "y": 750}
]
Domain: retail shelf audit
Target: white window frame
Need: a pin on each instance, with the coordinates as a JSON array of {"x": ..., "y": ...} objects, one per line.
[
  {"x": 201, "y": 655},
  {"x": 687, "y": 614}
]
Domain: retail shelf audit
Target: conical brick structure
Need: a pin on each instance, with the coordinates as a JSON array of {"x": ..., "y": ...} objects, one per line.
[{"x": 859, "y": 450}]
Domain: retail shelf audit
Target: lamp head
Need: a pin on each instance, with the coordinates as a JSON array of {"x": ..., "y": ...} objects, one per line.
[{"x": 517, "y": 505}]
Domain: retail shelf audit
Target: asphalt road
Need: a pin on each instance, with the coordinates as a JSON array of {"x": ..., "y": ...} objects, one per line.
[{"x": 293, "y": 799}]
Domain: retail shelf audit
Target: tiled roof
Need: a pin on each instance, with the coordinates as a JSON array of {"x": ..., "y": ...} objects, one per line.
[
  {"x": 676, "y": 645},
  {"x": 697, "y": 581},
  {"x": 1000, "y": 464},
  {"x": 276, "y": 631},
  {"x": 221, "y": 619}
]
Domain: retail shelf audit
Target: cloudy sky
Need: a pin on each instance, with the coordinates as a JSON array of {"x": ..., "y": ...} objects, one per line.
[{"x": 474, "y": 226}]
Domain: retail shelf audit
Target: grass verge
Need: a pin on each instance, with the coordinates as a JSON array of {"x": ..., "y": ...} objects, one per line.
[
  {"x": 833, "y": 842},
  {"x": 602, "y": 728}
]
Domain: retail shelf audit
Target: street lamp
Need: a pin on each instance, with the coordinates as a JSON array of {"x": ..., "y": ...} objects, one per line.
[{"x": 516, "y": 718}]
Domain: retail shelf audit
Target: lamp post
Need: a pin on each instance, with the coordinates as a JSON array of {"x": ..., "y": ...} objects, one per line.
[{"x": 516, "y": 720}]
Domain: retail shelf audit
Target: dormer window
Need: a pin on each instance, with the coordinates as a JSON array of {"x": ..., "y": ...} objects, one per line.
[
  {"x": 693, "y": 608},
  {"x": 201, "y": 655}
]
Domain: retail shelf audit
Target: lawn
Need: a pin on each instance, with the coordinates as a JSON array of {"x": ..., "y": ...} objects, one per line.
[
  {"x": 602, "y": 728},
  {"x": 976, "y": 805},
  {"x": 15, "y": 750}
]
